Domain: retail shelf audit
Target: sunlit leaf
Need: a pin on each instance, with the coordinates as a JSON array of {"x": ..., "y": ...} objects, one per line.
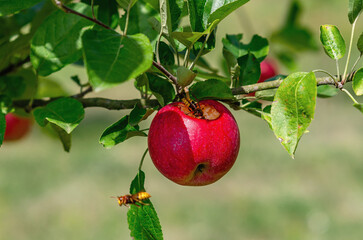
[
  {"x": 66, "y": 113},
  {"x": 358, "y": 82},
  {"x": 64, "y": 137},
  {"x": 55, "y": 45},
  {"x": 333, "y": 42},
  {"x": 111, "y": 58},
  {"x": 293, "y": 109}
]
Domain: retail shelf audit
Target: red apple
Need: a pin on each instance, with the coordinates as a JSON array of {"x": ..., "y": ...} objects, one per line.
[
  {"x": 194, "y": 151},
  {"x": 268, "y": 70},
  {"x": 16, "y": 127}
]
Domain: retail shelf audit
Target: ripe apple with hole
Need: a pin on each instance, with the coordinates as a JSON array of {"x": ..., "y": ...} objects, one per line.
[
  {"x": 16, "y": 127},
  {"x": 268, "y": 70},
  {"x": 194, "y": 151}
]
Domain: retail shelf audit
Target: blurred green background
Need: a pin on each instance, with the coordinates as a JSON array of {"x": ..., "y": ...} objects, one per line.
[{"x": 46, "y": 193}]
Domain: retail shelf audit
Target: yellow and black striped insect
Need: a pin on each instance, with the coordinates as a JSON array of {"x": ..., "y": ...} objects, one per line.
[
  {"x": 133, "y": 199},
  {"x": 192, "y": 106}
]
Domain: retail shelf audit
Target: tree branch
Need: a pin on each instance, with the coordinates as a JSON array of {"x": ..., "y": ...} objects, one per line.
[
  {"x": 275, "y": 84},
  {"x": 109, "y": 104}
]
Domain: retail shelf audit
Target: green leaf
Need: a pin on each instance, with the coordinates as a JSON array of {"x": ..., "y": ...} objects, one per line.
[
  {"x": 12, "y": 86},
  {"x": 136, "y": 115},
  {"x": 358, "y": 106},
  {"x": 111, "y": 58},
  {"x": 204, "y": 12},
  {"x": 139, "y": 21},
  {"x": 162, "y": 89},
  {"x": 358, "y": 82},
  {"x": 165, "y": 17},
  {"x": 176, "y": 9},
  {"x": 126, "y": 3},
  {"x": 119, "y": 132},
  {"x": 2, "y": 127},
  {"x": 332, "y": 40},
  {"x": 355, "y": 7},
  {"x": 14, "y": 51},
  {"x": 143, "y": 220},
  {"x": 6, "y": 104},
  {"x": 292, "y": 36},
  {"x": 211, "y": 89},
  {"x": 293, "y": 109},
  {"x": 185, "y": 76},
  {"x": 107, "y": 11},
  {"x": 48, "y": 88},
  {"x": 326, "y": 91},
  {"x": 56, "y": 45},
  {"x": 170, "y": 13},
  {"x": 360, "y": 43},
  {"x": 30, "y": 81},
  {"x": 12, "y": 6},
  {"x": 250, "y": 70},
  {"x": 137, "y": 184},
  {"x": 267, "y": 95},
  {"x": 258, "y": 46},
  {"x": 64, "y": 137},
  {"x": 188, "y": 39},
  {"x": 288, "y": 59},
  {"x": 166, "y": 55},
  {"x": 66, "y": 113}
]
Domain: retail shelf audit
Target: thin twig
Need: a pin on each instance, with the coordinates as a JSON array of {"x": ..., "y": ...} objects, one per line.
[
  {"x": 344, "y": 77},
  {"x": 14, "y": 66},
  {"x": 66, "y": 9},
  {"x": 166, "y": 73}
]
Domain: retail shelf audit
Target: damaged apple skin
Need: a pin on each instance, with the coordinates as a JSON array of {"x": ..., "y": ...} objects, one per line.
[{"x": 194, "y": 151}]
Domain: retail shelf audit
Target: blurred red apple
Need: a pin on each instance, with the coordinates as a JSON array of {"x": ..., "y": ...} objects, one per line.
[
  {"x": 194, "y": 151},
  {"x": 16, "y": 127},
  {"x": 268, "y": 70}
]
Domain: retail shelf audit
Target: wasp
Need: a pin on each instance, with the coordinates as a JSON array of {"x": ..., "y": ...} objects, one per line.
[
  {"x": 133, "y": 199},
  {"x": 192, "y": 106}
]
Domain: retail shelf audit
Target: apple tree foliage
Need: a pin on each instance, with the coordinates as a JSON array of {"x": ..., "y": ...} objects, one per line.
[{"x": 161, "y": 46}]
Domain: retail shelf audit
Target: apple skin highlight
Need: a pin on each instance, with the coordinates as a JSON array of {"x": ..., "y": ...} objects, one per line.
[{"x": 191, "y": 151}]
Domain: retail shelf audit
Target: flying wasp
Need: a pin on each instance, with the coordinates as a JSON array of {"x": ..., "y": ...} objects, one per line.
[
  {"x": 192, "y": 106},
  {"x": 133, "y": 199}
]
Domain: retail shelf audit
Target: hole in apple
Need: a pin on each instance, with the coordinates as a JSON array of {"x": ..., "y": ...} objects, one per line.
[
  {"x": 209, "y": 112},
  {"x": 200, "y": 169}
]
